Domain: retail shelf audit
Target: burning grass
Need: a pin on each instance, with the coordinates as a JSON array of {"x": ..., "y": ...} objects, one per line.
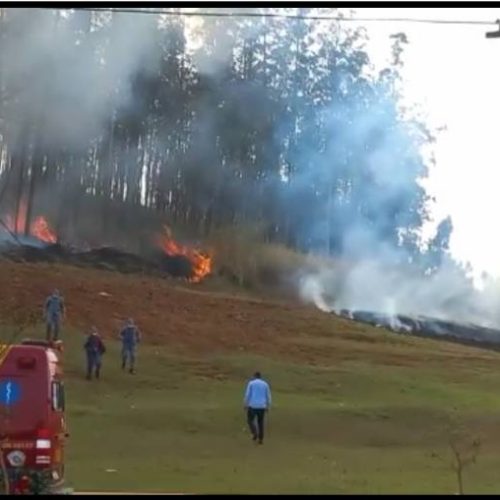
[
  {"x": 201, "y": 263},
  {"x": 39, "y": 227},
  {"x": 173, "y": 259},
  {"x": 39, "y": 242},
  {"x": 237, "y": 256}
]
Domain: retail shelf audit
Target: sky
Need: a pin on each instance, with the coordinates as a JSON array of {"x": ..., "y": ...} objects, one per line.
[{"x": 452, "y": 73}]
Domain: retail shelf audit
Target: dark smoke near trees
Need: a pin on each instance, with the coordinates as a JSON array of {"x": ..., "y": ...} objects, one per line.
[{"x": 109, "y": 121}]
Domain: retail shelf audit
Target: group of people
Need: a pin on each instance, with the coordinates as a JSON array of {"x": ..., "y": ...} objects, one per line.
[
  {"x": 130, "y": 336},
  {"x": 257, "y": 398}
]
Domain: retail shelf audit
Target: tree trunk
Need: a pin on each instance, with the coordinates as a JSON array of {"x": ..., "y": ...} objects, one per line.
[
  {"x": 20, "y": 185},
  {"x": 36, "y": 165}
]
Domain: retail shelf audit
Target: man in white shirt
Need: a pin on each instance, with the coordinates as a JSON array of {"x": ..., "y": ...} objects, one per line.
[{"x": 257, "y": 401}]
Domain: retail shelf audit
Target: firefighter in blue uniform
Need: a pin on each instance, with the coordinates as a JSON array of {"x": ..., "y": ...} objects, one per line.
[
  {"x": 130, "y": 337},
  {"x": 54, "y": 311}
]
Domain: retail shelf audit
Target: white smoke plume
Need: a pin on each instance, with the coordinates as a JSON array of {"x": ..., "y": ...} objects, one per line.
[
  {"x": 397, "y": 290},
  {"x": 69, "y": 70}
]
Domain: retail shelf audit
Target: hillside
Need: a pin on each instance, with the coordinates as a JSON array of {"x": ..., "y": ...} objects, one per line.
[
  {"x": 356, "y": 409},
  {"x": 188, "y": 318}
]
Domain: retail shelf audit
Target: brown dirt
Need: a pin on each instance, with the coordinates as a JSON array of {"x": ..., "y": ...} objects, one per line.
[{"x": 191, "y": 319}]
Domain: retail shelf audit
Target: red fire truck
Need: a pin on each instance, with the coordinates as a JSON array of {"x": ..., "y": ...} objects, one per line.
[{"x": 32, "y": 425}]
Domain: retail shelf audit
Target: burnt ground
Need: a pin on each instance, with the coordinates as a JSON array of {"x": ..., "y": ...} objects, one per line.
[
  {"x": 193, "y": 319},
  {"x": 153, "y": 262}
]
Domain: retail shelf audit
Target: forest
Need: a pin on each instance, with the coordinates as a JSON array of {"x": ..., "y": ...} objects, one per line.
[{"x": 280, "y": 126}]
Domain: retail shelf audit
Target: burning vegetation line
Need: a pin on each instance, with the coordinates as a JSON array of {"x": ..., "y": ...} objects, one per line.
[
  {"x": 39, "y": 228},
  {"x": 165, "y": 256},
  {"x": 201, "y": 262}
]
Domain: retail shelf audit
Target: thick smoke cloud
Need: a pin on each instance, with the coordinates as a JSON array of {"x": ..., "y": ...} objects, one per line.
[
  {"x": 65, "y": 81},
  {"x": 391, "y": 290},
  {"x": 376, "y": 268},
  {"x": 371, "y": 207},
  {"x": 371, "y": 285},
  {"x": 372, "y": 167},
  {"x": 373, "y": 270}
]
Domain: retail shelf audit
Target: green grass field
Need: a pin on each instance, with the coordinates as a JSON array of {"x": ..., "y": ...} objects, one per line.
[{"x": 355, "y": 426}]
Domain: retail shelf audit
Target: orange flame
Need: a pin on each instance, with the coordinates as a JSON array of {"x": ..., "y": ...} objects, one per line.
[
  {"x": 39, "y": 228},
  {"x": 200, "y": 261}
]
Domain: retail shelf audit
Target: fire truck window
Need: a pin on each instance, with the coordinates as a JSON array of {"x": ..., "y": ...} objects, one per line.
[
  {"x": 62, "y": 397},
  {"x": 57, "y": 396}
]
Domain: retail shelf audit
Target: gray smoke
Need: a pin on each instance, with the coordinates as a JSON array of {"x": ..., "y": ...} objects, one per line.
[
  {"x": 391, "y": 290},
  {"x": 67, "y": 81},
  {"x": 52, "y": 78}
]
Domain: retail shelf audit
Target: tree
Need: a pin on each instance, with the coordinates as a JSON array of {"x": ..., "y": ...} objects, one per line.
[
  {"x": 274, "y": 123},
  {"x": 463, "y": 446}
]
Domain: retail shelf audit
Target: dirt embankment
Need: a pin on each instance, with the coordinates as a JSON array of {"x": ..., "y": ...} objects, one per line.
[
  {"x": 165, "y": 311},
  {"x": 189, "y": 318}
]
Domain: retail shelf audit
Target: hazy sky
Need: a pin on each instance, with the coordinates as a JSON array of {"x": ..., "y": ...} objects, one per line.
[{"x": 453, "y": 73}]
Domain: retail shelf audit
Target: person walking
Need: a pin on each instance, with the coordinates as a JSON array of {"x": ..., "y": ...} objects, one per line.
[
  {"x": 54, "y": 312},
  {"x": 94, "y": 348},
  {"x": 130, "y": 337},
  {"x": 257, "y": 402}
]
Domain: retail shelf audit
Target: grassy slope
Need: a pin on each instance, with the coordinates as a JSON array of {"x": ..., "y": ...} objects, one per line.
[{"x": 356, "y": 409}]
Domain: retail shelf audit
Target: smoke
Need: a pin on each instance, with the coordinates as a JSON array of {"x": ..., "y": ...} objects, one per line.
[
  {"x": 212, "y": 57},
  {"x": 65, "y": 76},
  {"x": 381, "y": 261},
  {"x": 371, "y": 214},
  {"x": 368, "y": 205},
  {"x": 216, "y": 37},
  {"x": 385, "y": 288},
  {"x": 312, "y": 290},
  {"x": 8, "y": 239},
  {"x": 68, "y": 72}
]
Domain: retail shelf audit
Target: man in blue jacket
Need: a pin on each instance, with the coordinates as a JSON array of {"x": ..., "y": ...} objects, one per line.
[{"x": 257, "y": 401}]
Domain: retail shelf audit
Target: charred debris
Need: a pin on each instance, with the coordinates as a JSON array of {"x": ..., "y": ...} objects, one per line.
[{"x": 421, "y": 326}]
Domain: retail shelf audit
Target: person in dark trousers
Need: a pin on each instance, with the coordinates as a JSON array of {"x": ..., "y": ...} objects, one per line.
[
  {"x": 257, "y": 402},
  {"x": 53, "y": 313},
  {"x": 94, "y": 348},
  {"x": 130, "y": 337}
]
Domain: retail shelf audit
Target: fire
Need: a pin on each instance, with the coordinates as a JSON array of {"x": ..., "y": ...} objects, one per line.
[
  {"x": 200, "y": 261},
  {"x": 39, "y": 227}
]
